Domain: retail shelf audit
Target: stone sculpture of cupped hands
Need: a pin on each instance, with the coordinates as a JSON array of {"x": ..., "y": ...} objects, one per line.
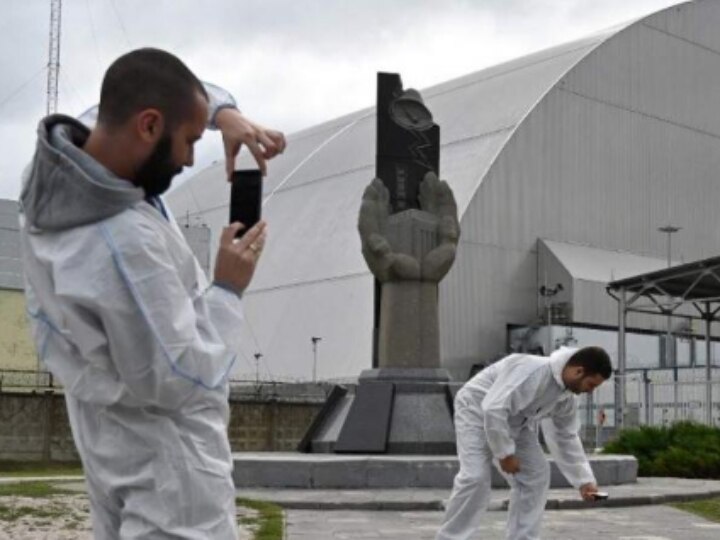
[{"x": 436, "y": 198}]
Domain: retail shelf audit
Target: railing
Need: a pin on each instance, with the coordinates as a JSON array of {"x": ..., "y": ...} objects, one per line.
[
  {"x": 280, "y": 391},
  {"x": 648, "y": 403},
  {"x": 16, "y": 380}
]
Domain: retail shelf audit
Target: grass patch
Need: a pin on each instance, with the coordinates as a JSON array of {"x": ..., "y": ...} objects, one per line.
[
  {"x": 35, "y": 490},
  {"x": 19, "y": 469},
  {"x": 32, "y": 489},
  {"x": 14, "y": 513},
  {"x": 268, "y": 525},
  {"x": 708, "y": 508}
]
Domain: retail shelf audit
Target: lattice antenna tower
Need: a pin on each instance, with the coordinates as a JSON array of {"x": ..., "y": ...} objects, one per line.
[{"x": 54, "y": 56}]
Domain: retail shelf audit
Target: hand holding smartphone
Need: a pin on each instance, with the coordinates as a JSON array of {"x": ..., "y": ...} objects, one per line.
[{"x": 246, "y": 198}]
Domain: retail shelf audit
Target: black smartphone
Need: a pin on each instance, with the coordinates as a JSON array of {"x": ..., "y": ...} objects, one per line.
[
  {"x": 600, "y": 496},
  {"x": 246, "y": 198}
]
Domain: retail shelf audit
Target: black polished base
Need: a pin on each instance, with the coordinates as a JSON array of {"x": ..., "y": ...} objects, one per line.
[{"x": 389, "y": 411}]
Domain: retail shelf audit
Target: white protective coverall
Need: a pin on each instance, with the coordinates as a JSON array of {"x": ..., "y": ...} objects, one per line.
[
  {"x": 496, "y": 415},
  {"x": 124, "y": 317}
]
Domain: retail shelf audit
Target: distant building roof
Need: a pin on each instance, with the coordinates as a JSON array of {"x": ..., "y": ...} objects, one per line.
[{"x": 601, "y": 265}]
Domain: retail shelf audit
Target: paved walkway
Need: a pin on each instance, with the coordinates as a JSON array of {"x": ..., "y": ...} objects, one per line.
[
  {"x": 633, "y": 512},
  {"x": 645, "y": 491},
  {"x": 641, "y": 523}
]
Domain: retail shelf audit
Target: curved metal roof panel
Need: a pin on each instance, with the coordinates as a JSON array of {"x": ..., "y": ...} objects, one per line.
[{"x": 317, "y": 184}]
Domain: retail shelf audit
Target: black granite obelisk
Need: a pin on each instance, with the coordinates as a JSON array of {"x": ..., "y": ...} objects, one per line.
[{"x": 408, "y": 141}]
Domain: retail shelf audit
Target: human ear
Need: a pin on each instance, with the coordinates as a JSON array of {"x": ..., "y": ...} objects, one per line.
[{"x": 150, "y": 125}]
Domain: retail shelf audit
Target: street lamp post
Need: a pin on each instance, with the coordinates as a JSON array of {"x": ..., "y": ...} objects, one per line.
[
  {"x": 257, "y": 356},
  {"x": 669, "y": 230},
  {"x": 315, "y": 340},
  {"x": 669, "y": 360},
  {"x": 547, "y": 293}
]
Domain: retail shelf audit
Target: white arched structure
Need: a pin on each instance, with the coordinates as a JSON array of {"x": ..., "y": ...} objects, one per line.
[{"x": 591, "y": 145}]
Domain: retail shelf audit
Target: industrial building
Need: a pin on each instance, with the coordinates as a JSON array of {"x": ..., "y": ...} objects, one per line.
[
  {"x": 17, "y": 351},
  {"x": 571, "y": 167},
  {"x": 564, "y": 164}
]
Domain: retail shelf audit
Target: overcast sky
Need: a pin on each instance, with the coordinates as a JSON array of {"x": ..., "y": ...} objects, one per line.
[{"x": 290, "y": 63}]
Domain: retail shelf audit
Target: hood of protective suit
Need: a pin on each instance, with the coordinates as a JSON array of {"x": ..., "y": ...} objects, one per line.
[
  {"x": 558, "y": 359},
  {"x": 64, "y": 187}
]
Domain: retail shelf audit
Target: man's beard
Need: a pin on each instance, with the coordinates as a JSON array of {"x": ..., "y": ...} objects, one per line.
[
  {"x": 575, "y": 387},
  {"x": 156, "y": 174}
]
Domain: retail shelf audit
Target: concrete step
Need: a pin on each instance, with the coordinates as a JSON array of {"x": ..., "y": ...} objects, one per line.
[
  {"x": 646, "y": 491},
  {"x": 338, "y": 471}
]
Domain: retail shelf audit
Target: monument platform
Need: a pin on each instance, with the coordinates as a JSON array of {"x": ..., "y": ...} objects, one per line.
[{"x": 369, "y": 471}]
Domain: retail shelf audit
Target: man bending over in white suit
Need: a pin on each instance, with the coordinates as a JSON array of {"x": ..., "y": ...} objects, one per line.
[{"x": 496, "y": 420}]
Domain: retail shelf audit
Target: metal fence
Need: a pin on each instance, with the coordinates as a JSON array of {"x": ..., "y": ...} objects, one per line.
[
  {"x": 280, "y": 391},
  {"x": 653, "y": 399},
  {"x": 13, "y": 380},
  {"x": 676, "y": 401},
  {"x": 650, "y": 403}
]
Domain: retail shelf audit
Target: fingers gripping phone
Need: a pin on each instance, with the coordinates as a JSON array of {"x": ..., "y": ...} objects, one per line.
[{"x": 246, "y": 198}]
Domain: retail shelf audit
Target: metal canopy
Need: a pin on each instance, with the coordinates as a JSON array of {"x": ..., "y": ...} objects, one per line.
[{"x": 662, "y": 292}]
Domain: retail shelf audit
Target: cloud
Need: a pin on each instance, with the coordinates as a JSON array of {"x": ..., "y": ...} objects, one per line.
[{"x": 290, "y": 64}]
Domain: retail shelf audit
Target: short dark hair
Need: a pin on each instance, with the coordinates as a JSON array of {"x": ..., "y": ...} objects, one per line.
[
  {"x": 148, "y": 78},
  {"x": 594, "y": 360}
]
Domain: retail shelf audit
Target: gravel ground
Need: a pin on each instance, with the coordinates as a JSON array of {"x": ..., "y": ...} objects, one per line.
[{"x": 59, "y": 517}]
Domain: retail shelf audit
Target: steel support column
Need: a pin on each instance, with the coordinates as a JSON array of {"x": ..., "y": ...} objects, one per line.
[
  {"x": 708, "y": 366},
  {"x": 620, "y": 394}
]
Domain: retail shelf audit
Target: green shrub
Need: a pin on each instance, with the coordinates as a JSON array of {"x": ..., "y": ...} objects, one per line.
[{"x": 684, "y": 449}]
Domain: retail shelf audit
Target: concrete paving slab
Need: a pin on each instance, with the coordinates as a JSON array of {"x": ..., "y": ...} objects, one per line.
[
  {"x": 644, "y": 523},
  {"x": 647, "y": 491},
  {"x": 416, "y": 513}
]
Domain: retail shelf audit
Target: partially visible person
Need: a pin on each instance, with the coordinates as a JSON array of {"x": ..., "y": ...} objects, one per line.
[
  {"x": 122, "y": 313},
  {"x": 236, "y": 129},
  {"x": 497, "y": 413}
]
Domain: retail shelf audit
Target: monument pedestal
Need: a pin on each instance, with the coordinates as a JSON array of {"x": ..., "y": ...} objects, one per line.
[
  {"x": 409, "y": 232},
  {"x": 390, "y": 411}
]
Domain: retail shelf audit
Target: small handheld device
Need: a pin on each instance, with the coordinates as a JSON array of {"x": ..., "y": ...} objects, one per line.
[
  {"x": 600, "y": 496},
  {"x": 246, "y": 198}
]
